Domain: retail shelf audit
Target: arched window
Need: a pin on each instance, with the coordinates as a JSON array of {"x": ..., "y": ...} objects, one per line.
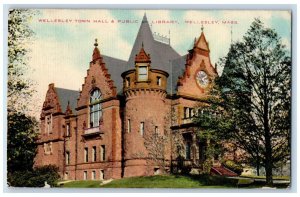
[{"x": 95, "y": 108}]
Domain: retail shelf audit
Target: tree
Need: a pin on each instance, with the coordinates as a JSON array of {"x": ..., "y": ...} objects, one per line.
[
  {"x": 19, "y": 88},
  {"x": 22, "y": 128},
  {"x": 254, "y": 94},
  {"x": 21, "y": 142}
]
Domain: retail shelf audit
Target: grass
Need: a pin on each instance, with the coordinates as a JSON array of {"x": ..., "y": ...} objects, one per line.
[
  {"x": 171, "y": 181},
  {"x": 82, "y": 184},
  {"x": 264, "y": 177},
  {"x": 159, "y": 181}
]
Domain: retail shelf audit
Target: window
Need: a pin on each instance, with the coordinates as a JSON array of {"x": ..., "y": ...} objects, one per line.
[
  {"x": 95, "y": 108},
  {"x": 128, "y": 126},
  {"x": 156, "y": 130},
  {"x": 67, "y": 158},
  {"x": 68, "y": 130},
  {"x": 142, "y": 128},
  {"x": 188, "y": 150},
  {"x": 191, "y": 112},
  {"x": 48, "y": 121},
  {"x": 186, "y": 112},
  {"x": 143, "y": 73},
  {"x": 101, "y": 174},
  {"x": 93, "y": 175},
  {"x": 127, "y": 81},
  {"x": 66, "y": 176},
  {"x": 94, "y": 154},
  {"x": 47, "y": 148},
  {"x": 102, "y": 152},
  {"x": 85, "y": 175},
  {"x": 86, "y": 155},
  {"x": 158, "y": 81}
]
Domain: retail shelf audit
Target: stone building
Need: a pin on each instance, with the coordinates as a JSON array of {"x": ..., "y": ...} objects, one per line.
[{"x": 123, "y": 120}]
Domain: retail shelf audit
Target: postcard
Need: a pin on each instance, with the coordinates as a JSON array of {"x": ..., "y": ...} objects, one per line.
[{"x": 113, "y": 98}]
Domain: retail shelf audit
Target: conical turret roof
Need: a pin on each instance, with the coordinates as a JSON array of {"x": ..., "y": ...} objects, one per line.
[{"x": 160, "y": 53}]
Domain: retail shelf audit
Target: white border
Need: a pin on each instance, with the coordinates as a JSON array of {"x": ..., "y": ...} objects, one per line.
[{"x": 142, "y": 5}]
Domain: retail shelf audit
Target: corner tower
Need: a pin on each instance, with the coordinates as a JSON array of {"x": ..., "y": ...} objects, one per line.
[{"x": 144, "y": 117}]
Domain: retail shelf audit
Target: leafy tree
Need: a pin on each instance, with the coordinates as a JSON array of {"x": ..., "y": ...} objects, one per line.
[
  {"x": 22, "y": 128},
  {"x": 35, "y": 178},
  {"x": 21, "y": 142},
  {"x": 19, "y": 36},
  {"x": 254, "y": 98}
]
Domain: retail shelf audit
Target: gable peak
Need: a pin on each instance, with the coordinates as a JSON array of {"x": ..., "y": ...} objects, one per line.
[
  {"x": 201, "y": 42},
  {"x": 96, "y": 52},
  {"x": 142, "y": 56}
]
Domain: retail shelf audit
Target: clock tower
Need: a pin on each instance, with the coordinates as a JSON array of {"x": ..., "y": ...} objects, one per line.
[{"x": 199, "y": 73}]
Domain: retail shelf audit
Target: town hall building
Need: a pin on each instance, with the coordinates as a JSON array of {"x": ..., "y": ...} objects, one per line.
[{"x": 123, "y": 121}]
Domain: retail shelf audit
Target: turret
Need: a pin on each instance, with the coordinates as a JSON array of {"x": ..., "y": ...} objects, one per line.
[
  {"x": 143, "y": 76},
  {"x": 145, "y": 95}
]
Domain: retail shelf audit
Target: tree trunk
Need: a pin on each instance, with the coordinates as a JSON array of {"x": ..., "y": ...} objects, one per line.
[
  {"x": 257, "y": 168},
  {"x": 267, "y": 135},
  {"x": 268, "y": 163}
]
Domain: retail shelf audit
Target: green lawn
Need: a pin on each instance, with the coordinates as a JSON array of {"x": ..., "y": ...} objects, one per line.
[
  {"x": 159, "y": 181},
  {"x": 264, "y": 177},
  {"x": 82, "y": 184},
  {"x": 172, "y": 181}
]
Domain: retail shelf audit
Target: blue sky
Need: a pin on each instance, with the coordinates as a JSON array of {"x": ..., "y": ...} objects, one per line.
[{"x": 60, "y": 52}]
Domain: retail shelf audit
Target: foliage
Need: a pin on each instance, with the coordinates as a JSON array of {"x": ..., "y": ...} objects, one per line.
[
  {"x": 35, "y": 178},
  {"x": 22, "y": 129},
  {"x": 19, "y": 36},
  {"x": 254, "y": 94},
  {"x": 21, "y": 146},
  {"x": 231, "y": 165}
]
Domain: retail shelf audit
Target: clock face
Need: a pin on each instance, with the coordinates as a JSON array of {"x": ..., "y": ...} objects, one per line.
[{"x": 202, "y": 78}]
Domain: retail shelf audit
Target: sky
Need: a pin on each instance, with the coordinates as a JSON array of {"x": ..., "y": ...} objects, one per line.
[{"x": 61, "y": 51}]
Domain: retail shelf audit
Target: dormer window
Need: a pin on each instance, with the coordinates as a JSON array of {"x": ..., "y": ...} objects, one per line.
[
  {"x": 95, "y": 108},
  {"x": 158, "y": 81},
  {"x": 127, "y": 81},
  {"x": 142, "y": 73},
  {"x": 48, "y": 121}
]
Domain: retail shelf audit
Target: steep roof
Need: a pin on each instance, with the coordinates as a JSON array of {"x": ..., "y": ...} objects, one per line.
[
  {"x": 115, "y": 68},
  {"x": 178, "y": 68},
  {"x": 202, "y": 43},
  {"x": 65, "y": 96},
  {"x": 160, "y": 53}
]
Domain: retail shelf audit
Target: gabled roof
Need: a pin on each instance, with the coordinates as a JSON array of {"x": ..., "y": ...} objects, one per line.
[
  {"x": 65, "y": 96},
  {"x": 142, "y": 56},
  {"x": 178, "y": 68},
  {"x": 115, "y": 68},
  {"x": 202, "y": 43}
]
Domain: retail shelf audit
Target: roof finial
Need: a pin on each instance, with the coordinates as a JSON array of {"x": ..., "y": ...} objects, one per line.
[
  {"x": 145, "y": 18},
  {"x": 142, "y": 44},
  {"x": 202, "y": 28},
  {"x": 96, "y": 42}
]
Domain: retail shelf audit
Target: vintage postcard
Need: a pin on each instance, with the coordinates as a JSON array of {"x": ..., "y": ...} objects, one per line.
[{"x": 113, "y": 98}]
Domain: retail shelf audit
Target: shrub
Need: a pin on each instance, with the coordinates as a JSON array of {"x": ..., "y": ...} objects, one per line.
[
  {"x": 34, "y": 178},
  {"x": 207, "y": 179},
  {"x": 231, "y": 165}
]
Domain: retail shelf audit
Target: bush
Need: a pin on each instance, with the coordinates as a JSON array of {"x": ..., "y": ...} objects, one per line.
[
  {"x": 231, "y": 165},
  {"x": 34, "y": 178},
  {"x": 207, "y": 179}
]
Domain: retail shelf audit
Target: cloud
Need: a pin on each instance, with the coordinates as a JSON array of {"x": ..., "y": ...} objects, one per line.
[{"x": 62, "y": 51}]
